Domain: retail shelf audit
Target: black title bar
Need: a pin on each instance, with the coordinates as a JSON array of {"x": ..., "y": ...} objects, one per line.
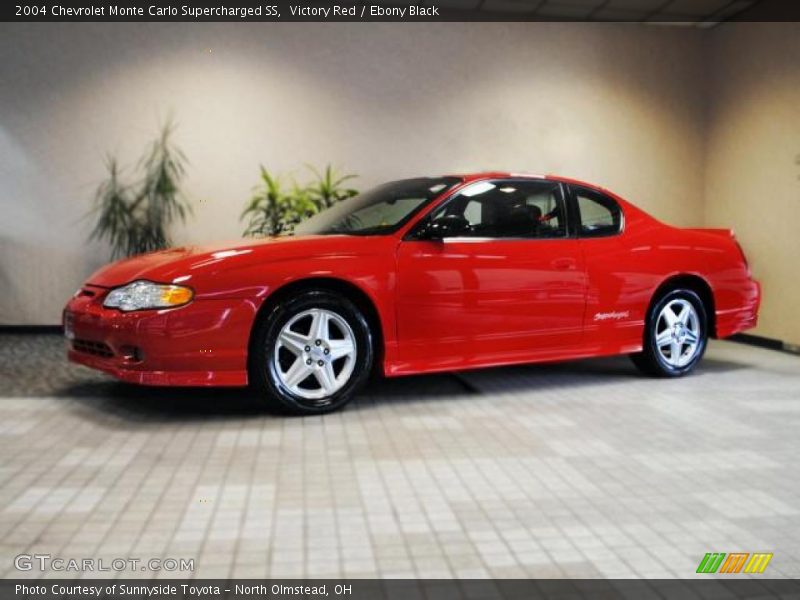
[
  {"x": 331, "y": 10},
  {"x": 395, "y": 589}
]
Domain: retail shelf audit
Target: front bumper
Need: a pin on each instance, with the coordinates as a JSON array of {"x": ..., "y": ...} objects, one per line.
[{"x": 202, "y": 343}]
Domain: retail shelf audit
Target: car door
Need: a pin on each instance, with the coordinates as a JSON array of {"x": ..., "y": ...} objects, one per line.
[
  {"x": 615, "y": 273},
  {"x": 511, "y": 287}
]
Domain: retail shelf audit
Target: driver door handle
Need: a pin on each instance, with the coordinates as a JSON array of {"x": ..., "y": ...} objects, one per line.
[{"x": 564, "y": 264}]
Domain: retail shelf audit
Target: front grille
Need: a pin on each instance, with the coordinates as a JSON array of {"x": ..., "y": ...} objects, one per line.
[{"x": 93, "y": 348}]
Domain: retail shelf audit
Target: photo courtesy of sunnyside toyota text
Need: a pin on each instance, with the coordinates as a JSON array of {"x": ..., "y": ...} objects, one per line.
[{"x": 399, "y": 299}]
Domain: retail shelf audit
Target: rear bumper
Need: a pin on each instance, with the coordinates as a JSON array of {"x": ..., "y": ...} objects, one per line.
[
  {"x": 741, "y": 318},
  {"x": 203, "y": 343}
]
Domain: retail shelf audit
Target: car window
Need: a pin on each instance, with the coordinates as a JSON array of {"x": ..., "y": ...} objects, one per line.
[
  {"x": 384, "y": 213},
  {"x": 378, "y": 211},
  {"x": 509, "y": 209},
  {"x": 599, "y": 215}
]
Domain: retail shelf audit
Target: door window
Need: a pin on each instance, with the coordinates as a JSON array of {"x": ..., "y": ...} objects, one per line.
[{"x": 509, "y": 209}]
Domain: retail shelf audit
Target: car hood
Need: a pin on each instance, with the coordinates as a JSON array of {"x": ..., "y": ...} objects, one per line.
[{"x": 181, "y": 264}]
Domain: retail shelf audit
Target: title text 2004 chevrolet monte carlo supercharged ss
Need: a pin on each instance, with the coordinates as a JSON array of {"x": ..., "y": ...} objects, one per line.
[{"x": 416, "y": 276}]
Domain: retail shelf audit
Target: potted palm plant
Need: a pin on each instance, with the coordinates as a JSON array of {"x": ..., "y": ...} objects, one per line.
[
  {"x": 273, "y": 210},
  {"x": 135, "y": 218}
]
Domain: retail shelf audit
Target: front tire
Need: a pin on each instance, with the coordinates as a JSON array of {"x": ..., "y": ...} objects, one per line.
[
  {"x": 676, "y": 335},
  {"x": 312, "y": 353}
]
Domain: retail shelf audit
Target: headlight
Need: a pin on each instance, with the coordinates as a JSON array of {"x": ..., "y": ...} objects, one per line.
[{"x": 140, "y": 295}]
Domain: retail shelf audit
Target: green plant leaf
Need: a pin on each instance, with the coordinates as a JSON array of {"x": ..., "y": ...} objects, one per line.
[
  {"x": 274, "y": 209},
  {"x": 135, "y": 218}
]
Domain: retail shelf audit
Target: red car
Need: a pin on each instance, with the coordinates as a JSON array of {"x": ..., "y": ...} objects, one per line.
[{"x": 418, "y": 276}]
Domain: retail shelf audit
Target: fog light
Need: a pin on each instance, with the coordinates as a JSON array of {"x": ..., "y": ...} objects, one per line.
[{"x": 131, "y": 353}]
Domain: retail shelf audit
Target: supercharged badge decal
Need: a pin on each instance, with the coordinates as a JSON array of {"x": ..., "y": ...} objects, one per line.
[{"x": 612, "y": 316}]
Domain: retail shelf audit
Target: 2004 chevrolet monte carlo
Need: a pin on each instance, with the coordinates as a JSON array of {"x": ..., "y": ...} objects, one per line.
[{"x": 418, "y": 276}]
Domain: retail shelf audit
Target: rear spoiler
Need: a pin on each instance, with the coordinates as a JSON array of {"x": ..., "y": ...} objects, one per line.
[{"x": 728, "y": 233}]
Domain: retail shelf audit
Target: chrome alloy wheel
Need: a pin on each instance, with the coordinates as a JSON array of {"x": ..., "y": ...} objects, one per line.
[
  {"x": 678, "y": 332},
  {"x": 315, "y": 354}
]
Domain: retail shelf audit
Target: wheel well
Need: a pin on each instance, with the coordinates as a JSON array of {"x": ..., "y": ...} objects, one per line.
[
  {"x": 699, "y": 286},
  {"x": 350, "y": 291}
]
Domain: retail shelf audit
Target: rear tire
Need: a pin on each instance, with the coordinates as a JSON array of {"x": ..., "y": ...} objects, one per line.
[
  {"x": 311, "y": 353},
  {"x": 675, "y": 337}
]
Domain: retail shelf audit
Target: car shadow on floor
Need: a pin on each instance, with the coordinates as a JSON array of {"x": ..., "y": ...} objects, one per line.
[
  {"x": 139, "y": 403},
  {"x": 100, "y": 399},
  {"x": 602, "y": 371},
  {"x": 607, "y": 367}
]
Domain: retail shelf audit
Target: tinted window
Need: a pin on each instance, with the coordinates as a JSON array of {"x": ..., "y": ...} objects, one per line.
[
  {"x": 599, "y": 215},
  {"x": 509, "y": 209},
  {"x": 380, "y": 210}
]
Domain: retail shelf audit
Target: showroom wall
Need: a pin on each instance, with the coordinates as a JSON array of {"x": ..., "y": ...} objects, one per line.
[
  {"x": 753, "y": 172},
  {"x": 620, "y": 105}
]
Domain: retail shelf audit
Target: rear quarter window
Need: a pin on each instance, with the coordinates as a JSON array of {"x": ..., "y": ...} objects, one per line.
[{"x": 598, "y": 214}]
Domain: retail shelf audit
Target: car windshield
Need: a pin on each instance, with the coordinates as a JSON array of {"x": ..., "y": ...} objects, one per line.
[{"x": 381, "y": 210}]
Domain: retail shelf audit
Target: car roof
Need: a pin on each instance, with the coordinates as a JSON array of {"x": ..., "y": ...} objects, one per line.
[{"x": 469, "y": 177}]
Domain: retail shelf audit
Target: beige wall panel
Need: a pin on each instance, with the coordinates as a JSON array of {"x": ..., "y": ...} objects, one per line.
[{"x": 753, "y": 174}]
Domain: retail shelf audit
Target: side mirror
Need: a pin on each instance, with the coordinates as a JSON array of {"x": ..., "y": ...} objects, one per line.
[{"x": 446, "y": 226}]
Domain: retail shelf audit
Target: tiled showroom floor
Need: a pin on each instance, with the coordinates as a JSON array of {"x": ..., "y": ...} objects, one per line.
[{"x": 579, "y": 470}]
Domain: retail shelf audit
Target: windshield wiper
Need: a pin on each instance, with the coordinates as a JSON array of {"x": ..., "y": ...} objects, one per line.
[{"x": 366, "y": 231}]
